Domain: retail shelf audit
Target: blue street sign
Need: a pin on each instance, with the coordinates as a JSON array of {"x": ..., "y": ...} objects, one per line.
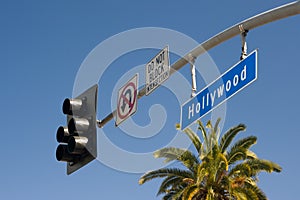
[{"x": 228, "y": 84}]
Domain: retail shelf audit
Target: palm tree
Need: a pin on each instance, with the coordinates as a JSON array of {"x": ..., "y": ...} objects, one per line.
[{"x": 218, "y": 171}]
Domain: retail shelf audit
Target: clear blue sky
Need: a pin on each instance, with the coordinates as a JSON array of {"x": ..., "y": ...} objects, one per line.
[{"x": 43, "y": 45}]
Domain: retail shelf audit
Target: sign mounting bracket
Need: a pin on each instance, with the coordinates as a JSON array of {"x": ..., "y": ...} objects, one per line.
[{"x": 244, "y": 33}]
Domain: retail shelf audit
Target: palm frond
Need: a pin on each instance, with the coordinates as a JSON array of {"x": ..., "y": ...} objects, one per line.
[
  {"x": 202, "y": 172},
  {"x": 240, "y": 150},
  {"x": 242, "y": 169},
  {"x": 245, "y": 194},
  {"x": 176, "y": 194},
  {"x": 235, "y": 154},
  {"x": 170, "y": 181},
  {"x": 171, "y": 195},
  {"x": 165, "y": 172},
  {"x": 203, "y": 131},
  {"x": 213, "y": 135},
  {"x": 258, "y": 165},
  {"x": 194, "y": 138},
  {"x": 229, "y": 136},
  {"x": 186, "y": 157},
  {"x": 209, "y": 125},
  {"x": 189, "y": 192},
  {"x": 223, "y": 163},
  {"x": 251, "y": 154},
  {"x": 246, "y": 142},
  {"x": 216, "y": 127},
  {"x": 259, "y": 193}
]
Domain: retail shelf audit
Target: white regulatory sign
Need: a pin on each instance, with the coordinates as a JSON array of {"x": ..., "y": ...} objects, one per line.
[
  {"x": 127, "y": 100},
  {"x": 157, "y": 70}
]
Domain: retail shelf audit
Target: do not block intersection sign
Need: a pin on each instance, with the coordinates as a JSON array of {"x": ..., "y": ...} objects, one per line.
[
  {"x": 157, "y": 70},
  {"x": 223, "y": 88}
]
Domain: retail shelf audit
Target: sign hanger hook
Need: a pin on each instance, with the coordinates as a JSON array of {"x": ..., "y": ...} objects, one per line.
[
  {"x": 244, "y": 43},
  {"x": 192, "y": 60}
]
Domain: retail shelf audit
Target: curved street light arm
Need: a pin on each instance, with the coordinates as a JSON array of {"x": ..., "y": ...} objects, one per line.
[{"x": 275, "y": 14}]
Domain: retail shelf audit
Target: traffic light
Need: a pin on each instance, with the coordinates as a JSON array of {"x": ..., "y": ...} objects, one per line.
[{"x": 78, "y": 140}]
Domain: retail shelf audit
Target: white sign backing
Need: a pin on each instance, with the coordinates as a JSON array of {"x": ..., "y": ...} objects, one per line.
[
  {"x": 127, "y": 100},
  {"x": 157, "y": 70}
]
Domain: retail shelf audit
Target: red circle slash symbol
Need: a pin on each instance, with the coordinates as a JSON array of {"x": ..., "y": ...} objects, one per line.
[{"x": 127, "y": 100}]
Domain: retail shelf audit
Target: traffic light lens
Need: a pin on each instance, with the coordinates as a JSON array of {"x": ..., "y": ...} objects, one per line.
[
  {"x": 71, "y": 105},
  {"x": 78, "y": 125},
  {"x": 62, "y": 134},
  {"x": 77, "y": 144},
  {"x": 67, "y": 107},
  {"x": 62, "y": 154}
]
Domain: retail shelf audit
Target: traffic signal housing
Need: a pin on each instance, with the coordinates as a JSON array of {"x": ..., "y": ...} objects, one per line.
[{"x": 78, "y": 140}]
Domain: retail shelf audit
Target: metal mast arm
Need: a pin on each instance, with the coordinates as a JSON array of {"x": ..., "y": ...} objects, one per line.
[{"x": 281, "y": 12}]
